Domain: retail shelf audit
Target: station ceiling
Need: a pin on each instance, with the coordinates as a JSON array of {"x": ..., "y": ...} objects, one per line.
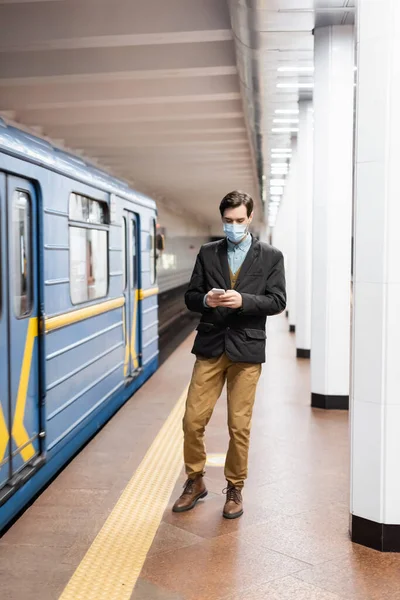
[{"x": 178, "y": 97}]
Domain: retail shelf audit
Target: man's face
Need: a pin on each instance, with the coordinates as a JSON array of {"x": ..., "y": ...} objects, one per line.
[{"x": 237, "y": 215}]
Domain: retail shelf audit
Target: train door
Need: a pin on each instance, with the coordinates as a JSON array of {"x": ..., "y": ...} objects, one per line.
[
  {"x": 19, "y": 311},
  {"x": 4, "y": 405},
  {"x": 130, "y": 242}
]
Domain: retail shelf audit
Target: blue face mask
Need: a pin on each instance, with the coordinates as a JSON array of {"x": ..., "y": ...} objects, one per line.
[{"x": 235, "y": 232}]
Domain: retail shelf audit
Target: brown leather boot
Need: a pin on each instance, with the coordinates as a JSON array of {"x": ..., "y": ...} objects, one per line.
[
  {"x": 234, "y": 502},
  {"x": 194, "y": 489}
]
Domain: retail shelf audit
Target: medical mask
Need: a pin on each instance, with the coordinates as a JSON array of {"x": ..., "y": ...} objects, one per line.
[{"x": 235, "y": 232}]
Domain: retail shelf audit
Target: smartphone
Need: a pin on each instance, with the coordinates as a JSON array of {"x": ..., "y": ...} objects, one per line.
[{"x": 218, "y": 291}]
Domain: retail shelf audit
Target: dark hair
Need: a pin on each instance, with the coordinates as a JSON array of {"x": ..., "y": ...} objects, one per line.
[{"x": 235, "y": 199}]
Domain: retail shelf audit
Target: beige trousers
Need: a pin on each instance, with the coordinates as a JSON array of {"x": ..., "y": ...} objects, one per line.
[{"x": 209, "y": 376}]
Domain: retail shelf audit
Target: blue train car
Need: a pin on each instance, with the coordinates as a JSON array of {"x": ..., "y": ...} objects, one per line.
[{"x": 78, "y": 308}]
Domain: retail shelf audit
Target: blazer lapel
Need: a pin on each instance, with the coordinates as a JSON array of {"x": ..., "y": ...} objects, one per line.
[
  {"x": 248, "y": 262},
  {"x": 222, "y": 262}
]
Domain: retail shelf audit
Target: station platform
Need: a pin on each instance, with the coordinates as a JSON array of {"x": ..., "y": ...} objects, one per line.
[{"x": 104, "y": 527}]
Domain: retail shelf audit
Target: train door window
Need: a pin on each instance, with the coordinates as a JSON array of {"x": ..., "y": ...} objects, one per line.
[
  {"x": 133, "y": 254},
  {"x": 124, "y": 269},
  {"x": 153, "y": 255},
  {"x": 88, "y": 243},
  {"x": 22, "y": 254}
]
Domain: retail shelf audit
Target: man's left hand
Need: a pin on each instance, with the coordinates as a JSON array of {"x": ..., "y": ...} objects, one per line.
[{"x": 231, "y": 299}]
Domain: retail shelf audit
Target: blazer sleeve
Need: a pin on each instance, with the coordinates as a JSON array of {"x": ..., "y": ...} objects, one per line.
[
  {"x": 194, "y": 296},
  {"x": 273, "y": 301}
]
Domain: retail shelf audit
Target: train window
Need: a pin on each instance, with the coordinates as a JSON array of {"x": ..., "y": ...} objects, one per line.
[
  {"x": 88, "y": 264},
  {"x": 86, "y": 210},
  {"x": 88, "y": 249},
  {"x": 22, "y": 254},
  {"x": 153, "y": 254},
  {"x": 96, "y": 212}
]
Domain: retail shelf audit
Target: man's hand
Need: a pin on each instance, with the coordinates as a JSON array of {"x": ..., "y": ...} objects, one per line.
[
  {"x": 213, "y": 300},
  {"x": 231, "y": 299}
]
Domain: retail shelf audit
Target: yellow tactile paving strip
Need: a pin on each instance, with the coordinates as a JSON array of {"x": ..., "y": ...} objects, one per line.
[{"x": 112, "y": 564}]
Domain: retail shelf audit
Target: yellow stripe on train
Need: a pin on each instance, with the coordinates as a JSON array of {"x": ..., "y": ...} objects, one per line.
[
  {"x": 19, "y": 432},
  {"x": 80, "y": 314},
  {"x": 74, "y": 316},
  {"x": 147, "y": 293}
]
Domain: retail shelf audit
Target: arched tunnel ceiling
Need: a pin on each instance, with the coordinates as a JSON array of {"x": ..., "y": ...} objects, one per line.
[{"x": 151, "y": 90}]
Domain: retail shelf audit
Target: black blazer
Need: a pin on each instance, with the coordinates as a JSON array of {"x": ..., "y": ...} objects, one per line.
[{"x": 240, "y": 333}]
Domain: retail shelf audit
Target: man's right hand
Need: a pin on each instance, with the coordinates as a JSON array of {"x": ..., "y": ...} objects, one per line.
[{"x": 213, "y": 300}]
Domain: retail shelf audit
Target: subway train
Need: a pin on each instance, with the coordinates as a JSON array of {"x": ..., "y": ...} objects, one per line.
[{"x": 79, "y": 325}]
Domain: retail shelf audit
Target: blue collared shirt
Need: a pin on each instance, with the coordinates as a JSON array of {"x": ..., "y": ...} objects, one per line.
[{"x": 236, "y": 255}]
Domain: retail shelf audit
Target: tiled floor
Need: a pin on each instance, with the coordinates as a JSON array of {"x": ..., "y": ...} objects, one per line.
[
  {"x": 40, "y": 553},
  {"x": 292, "y": 542}
]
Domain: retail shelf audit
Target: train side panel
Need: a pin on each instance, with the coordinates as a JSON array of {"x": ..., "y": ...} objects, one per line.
[{"x": 82, "y": 337}]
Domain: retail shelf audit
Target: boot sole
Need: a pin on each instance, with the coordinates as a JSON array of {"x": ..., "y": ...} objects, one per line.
[
  {"x": 186, "y": 508},
  {"x": 234, "y": 516}
]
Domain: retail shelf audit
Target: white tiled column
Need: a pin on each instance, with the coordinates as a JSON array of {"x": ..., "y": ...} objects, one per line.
[
  {"x": 375, "y": 393},
  {"x": 332, "y": 215},
  {"x": 285, "y": 233},
  {"x": 292, "y": 237},
  {"x": 304, "y": 228}
]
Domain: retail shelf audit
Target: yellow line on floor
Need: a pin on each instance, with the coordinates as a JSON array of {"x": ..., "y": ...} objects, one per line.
[{"x": 112, "y": 564}]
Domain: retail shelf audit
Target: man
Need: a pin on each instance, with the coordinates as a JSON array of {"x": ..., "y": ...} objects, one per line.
[{"x": 230, "y": 344}]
